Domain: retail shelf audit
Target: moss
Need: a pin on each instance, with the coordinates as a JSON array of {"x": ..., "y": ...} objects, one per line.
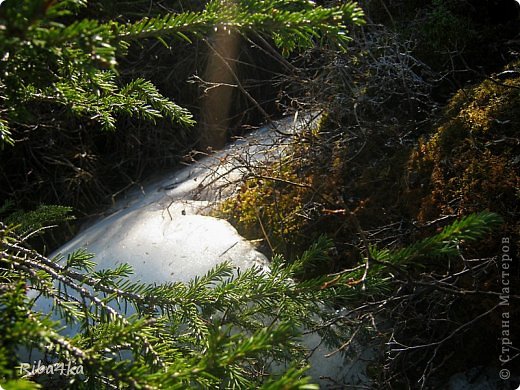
[
  {"x": 471, "y": 161},
  {"x": 272, "y": 207},
  {"x": 468, "y": 164}
]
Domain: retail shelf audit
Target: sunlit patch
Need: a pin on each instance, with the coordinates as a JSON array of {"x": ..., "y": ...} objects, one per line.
[{"x": 220, "y": 81}]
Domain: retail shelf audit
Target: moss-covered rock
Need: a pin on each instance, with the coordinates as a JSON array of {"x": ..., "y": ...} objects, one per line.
[
  {"x": 471, "y": 161},
  {"x": 270, "y": 206}
]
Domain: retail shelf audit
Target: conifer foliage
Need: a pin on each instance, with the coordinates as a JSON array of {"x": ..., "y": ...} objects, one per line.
[
  {"x": 52, "y": 58},
  {"x": 227, "y": 329},
  {"x": 62, "y": 96}
]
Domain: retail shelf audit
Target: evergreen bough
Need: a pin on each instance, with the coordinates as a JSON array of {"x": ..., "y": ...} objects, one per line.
[
  {"x": 226, "y": 329},
  {"x": 52, "y": 58}
]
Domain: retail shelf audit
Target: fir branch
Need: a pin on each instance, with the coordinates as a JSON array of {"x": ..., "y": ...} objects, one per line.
[{"x": 295, "y": 27}]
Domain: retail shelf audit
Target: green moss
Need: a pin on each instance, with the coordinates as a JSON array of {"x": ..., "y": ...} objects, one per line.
[
  {"x": 471, "y": 163},
  {"x": 271, "y": 207}
]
